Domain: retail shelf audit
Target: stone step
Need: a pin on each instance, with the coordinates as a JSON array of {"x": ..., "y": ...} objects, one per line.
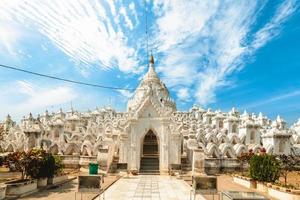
[
  {"x": 149, "y": 165},
  {"x": 155, "y": 172}
]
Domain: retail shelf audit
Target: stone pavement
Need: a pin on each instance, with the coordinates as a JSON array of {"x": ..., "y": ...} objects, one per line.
[
  {"x": 226, "y": 183},
  {"x": 149, "y": 187},
  {"x": 142, "y": 187},
  {"x": 67, "y": 191}
]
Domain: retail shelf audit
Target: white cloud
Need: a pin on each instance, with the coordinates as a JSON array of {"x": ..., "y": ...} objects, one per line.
[
  {"x": 272, "y": 28},
  {"x": 183, "y": 94},
  {"x": 126, "y": 93},
  {"x": 83, "y": 31},
  {"x": 203, "y": 42},
  {"x": 22, "y": 97},
  {"x": 126, "y": 18},
  {"x": 182, "y": 19},
  {"x": 134, "y": 12},
  {"x": 9, "y": 38},
  {"x": 275, "y": 98}
]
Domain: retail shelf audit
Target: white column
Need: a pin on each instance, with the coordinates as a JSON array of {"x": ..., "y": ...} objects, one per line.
[{"x": 164, "y": 166}]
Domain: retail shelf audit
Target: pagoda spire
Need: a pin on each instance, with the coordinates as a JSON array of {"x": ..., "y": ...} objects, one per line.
[{"x": 151, "y": 60}]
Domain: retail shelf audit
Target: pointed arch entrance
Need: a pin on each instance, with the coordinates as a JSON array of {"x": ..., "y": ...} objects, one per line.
[{"x": 150, "y": 154}]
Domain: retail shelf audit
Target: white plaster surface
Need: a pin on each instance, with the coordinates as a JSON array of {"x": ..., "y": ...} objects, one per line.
[{"x": 148, "y": 187}]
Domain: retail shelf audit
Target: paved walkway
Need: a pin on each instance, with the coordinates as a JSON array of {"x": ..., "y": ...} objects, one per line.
[
  {"x": 143, "y": 187},
  {"x": 149, "y": 187},
  {"x": 67, "y": 191}
]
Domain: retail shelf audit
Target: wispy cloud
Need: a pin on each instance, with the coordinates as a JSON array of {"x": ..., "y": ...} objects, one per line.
[
  {"x": 126, "y": 18},
  {"x": 274, "y": 99},
  {"x": 9, "y": 38},
  {"x": 200, "y": 43},
  {"x": 126, "y": 93},
  {"x": 183, "y": 94},
  {"x": 28, "y": 97},
  {"x": 207, "y": 40},
  {"x": 85, "y": 31},
  {"x": 274, "y": 26}
]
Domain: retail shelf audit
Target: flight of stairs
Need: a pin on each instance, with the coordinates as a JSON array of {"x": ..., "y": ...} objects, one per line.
[
  {"x": 150, "y": 158},
  {"x": 114, "y": 165},
  {"x": 185, "y": 165},
  {"x": 186, "y": 170},
  {"x": 149, "y": 165}
]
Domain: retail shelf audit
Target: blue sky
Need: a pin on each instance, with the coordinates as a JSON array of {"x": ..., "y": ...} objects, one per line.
[{"x": 213, "y": 53}]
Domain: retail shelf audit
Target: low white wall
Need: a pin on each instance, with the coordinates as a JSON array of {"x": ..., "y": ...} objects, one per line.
[
  {"x": 261, "y": 187},
  {"x": 85, "y": 160},
  {"x": 17, "y": 189},
  {"x": 282, "y": 195},
  {"x": 2, "y": 192},
  {"x": 244, "y": 182},
  {"x": 57, "y": 179},
  {"x": 71, "y": 161}
]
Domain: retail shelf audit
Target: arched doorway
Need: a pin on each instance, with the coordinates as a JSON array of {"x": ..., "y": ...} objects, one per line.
[{"x": 150, "y": 154}]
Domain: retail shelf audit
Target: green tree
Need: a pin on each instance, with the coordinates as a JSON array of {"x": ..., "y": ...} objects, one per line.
[{"x": 264, "y": 168}]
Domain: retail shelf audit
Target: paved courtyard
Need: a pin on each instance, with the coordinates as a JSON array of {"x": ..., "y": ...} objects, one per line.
[
  {"x": 149, "y": 187},
  {"x": 143, "y": 187}
]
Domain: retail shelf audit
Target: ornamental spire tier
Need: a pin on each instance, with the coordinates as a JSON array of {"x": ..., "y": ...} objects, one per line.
[
  {"x": 151, "y": 75},
  {"x": 151, "y": 88}
]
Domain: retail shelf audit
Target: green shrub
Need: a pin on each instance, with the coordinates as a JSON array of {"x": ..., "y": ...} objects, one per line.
[
  {"x": 34, "y": 161},
  {"x": 16, "y": 162},
  {"x": 59, "y": 166},
  {"x": 47, "y": 168},
  {"x": 264, "y": 168},
  {"x": 1, "y": 160}
]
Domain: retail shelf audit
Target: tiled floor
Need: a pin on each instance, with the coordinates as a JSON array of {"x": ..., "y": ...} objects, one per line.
[{"x": 149, "y": 187}]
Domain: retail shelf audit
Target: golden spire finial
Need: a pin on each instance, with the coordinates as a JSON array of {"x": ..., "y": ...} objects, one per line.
[{"x": 151, "y": 59}]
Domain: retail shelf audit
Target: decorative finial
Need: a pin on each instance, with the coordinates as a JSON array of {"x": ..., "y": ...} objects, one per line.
[{"x": 151, "y": 59}]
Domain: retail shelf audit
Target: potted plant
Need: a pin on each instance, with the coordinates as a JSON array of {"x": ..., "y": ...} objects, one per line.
[
  {"x": 43, "y": 167},
  {"x": 58, "y": 175},
  {"x": 26, "y": 164},
  {"x": 46, "y": 170}
]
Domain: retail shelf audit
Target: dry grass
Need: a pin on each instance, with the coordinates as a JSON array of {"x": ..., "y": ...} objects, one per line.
[{"x": 293, "y": 179}]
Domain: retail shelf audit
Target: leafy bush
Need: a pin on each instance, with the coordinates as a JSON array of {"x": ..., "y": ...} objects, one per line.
[
  {"x": 42, "y": 164},
  {"x": 59, "y": 166},
  {"x": 36, "y": 163},
  {"x": 1, "y": 160},
  {"x": 264, "y": 168},
  {"x": 15, "y": 162},
  {"x": 48, "y": 167},
  {"x": 244, "y": 160}
]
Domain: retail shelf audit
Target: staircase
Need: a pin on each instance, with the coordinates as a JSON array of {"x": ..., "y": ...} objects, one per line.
[
  {"x": 113, "y": 167},
  {"x": 149, "y": 165},
  {"x": 150, "y": 158},
  {"x": 186, "y": 170},
  {"x": 185, "y": 165}
]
